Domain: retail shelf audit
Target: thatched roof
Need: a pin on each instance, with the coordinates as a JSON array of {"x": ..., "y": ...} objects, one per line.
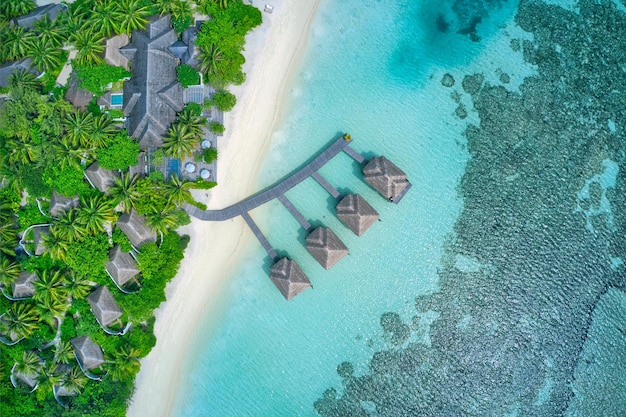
[
  {"x": 38, "y": 236},
  {"x": 62, "y": 391},
  {"x": 104, "y": 306},
  {"x": 356, "y": 213},
  {"x": 59, "y": 204},
  {"x": 385, "y": 177},
  {"x": 134, "y": 227},
  {"x": 112, "y": 55},
  {"x": 288, "y": 278},
  {"x": 7, "y": 69},
  {"x": 99, "y": 177},
  {"x": 121, "y": 266},
  {"x": 24, "y": 287},
  {"x": 89, "y": 354},
  {"x": 153, "y": 95},
  {"x": 79, "y": 97},
  {"x": 28, "y": 21},
  {"x": 325, "y": 246}
]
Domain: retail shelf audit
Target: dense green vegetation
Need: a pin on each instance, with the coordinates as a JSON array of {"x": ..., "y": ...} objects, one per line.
[
  {"x": 187, "y": 75},
  {"x": 95, "y": 78},
  {"x": 224, "y": 100}
]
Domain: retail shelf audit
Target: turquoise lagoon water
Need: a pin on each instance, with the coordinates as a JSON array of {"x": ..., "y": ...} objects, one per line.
[{"x": 374, "y": 70}]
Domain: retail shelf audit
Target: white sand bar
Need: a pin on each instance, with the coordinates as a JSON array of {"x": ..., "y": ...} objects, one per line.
[{"x": 273, "y": 52}]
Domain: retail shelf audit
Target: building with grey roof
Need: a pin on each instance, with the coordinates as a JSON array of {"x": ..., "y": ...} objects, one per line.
[
  {"x": 385, "y": 177},
  {"x": 134, "y": 227},
  {"x": 28, "y": 21},
  {"x": 103, "y": 306},
  {"x": 324, "y": 245},
  {"x": 100, "y": 178},
  {"x": 112, "y": 54},
  {"x": 153, "y": 95},
  {"x": 39, "y": 234},
  {"x": 121, "y": 266},
  {"x": 10, "y": 67},
  {"x": 356, "y": 213},
  {"x": 88, "y": 354},
  {"x": 59, "y": 204},
  {"x": 24, "y": 285},
  {"x": 288, "y": 278},
  {"x": 79, "y": 97}
]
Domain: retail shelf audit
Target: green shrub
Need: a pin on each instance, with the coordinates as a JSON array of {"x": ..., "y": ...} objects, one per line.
[
  {"x": 209, "y": 155},
  {"x": 181, "y": 23},
  {"x": 216, "y": 128},
  {"x": 195, "y": 109},
  {"x": 120, "y": 153},
  {"x": 187, "y": 75},
  {"x": 95, "y": 78},
  {"x": 224, "y": 100}
]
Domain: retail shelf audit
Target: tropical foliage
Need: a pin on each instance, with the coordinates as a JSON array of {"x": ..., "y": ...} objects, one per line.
[
  {"x": 224, "y": 100},
  {"x": 95, "y": 78},
  {"x": 187, "y": 75}
]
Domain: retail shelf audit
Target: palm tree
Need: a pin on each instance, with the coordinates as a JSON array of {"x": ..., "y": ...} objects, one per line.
[
  {"x": 46, "y": 57},
  {"x": 133, "y": 15},
  {"x": 94, "y": 213},
  {"x": 162, "y": 221},
  {"x": 222, "y": 4},
  {"x": 123, "y": 191},
  {"x": 66, "y": 154},
  {"x": 24, "y": 79},
  {"x": 56, "y": 245},
  {"x": 194, "y": 124},
  {"x": 21, "y": 152},
  {"x": 78, "y": 126},
  {"x": 47, "y": 379},
  {"x": 209, "y": 59},
  {"x": 50, "y": 32},
  {"x": 180, "y": 9},
  {"x": 124, "y": 363},
  {"x": 68, "y": 226},
  {"x": 8, "y": 239},
  {"x": 77, "y": 285},
  {"x": 13, "y": 8},
  {"x": 19, "y": 321},
  {"x": 63, "y": 352},
  {"x": 29, "y": 364},
  {"x": 50, "y": 287},
  {"x": 74, "y": 380},
  {"x": 105, "y": 18},
  {"x": 51, "y": 311},
  {"x": 9, "y": 271},
  {"x": 178, "y": 190},
  {"x": 90, "y": 47},
  {"x": 179, "y": 141},
  {"x": 103, "y": 129},
  {"x": 17, "y": 43}
]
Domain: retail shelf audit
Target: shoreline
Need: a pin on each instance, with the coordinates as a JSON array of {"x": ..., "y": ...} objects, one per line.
[{"x": 273, "y": 52}]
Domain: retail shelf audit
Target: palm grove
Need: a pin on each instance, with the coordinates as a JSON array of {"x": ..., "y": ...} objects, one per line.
[{"x": 45, "y": 146}]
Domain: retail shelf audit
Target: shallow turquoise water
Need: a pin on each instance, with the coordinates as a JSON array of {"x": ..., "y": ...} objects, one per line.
[{"x": 374, "y": 71}]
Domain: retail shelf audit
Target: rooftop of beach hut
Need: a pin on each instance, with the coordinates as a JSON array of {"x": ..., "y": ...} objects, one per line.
[
  {"x": 89, "y": 354},
  {"x": 99, "y": 177},
  {"x": 79, "y": 97},
  {"x": 288, "y": 278},
  {"x": 29, "y": 380},
  {"x": 39, "y": 234},
  {"x": 134, "y": 227},
  {"x": 112, "y": 54},
  {"x": 29, "y": 20},
  {"x": 23, "y": 286},
  {"x": 121, "y": 266},
  {"x": 324, "y": 245},
  {"x": 385, "y": 177},
  {"x": 104, "y": 306},
  {"x": 356, "y": 213},
  {"x": 59, "y": 204},
  {"x": 10, "y": 67}
]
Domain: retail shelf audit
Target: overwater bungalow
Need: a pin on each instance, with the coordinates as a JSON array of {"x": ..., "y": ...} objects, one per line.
[
  {"x": 385, "y": 177},
  {"x": 103, "y": 306},
  {"x": 324, "y": 245},
  {"x": 59, "y": 204},
  {"x": 24, "y": 285},
  {"x": 121, "y": 266},
  {"x": 100, "y": 178},
  {"x": 288, "y": 278},
  {"x": 134, "y": 227},
  {"x": 88, "y": 354},
  {"x": 356, "y": 213}
]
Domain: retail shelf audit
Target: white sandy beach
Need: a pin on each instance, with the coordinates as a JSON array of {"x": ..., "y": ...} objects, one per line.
[{"x": 273, "y": 52}]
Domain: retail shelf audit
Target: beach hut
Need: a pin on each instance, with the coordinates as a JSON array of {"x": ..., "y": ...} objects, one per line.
[
  {"x": 324, "y": 245},
  {"x": 79, "y": 97},
  {"x": 59, "y": 204},
  {"x": 121, "y": 266},
  {"x": 134, "y": 227},
  {"x": 112, "y": 55},
  {"x": 23, "y": 286},
  {"x": 39, "y": 234},
  {"x": 100, "y": 178},
  {"x": 103, "y": 306},
  {"x": 10, "y": 67},
  {"x": 356, "y": 213},
  {"x": 288, "y": 278},
  {"x": 385, "y": 177},
  {"x": 88, "y": 354}
]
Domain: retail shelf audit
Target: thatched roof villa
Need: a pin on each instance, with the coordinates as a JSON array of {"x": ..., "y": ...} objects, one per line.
[
  {"x": 134, "y": 227},
  {"x": 153, "y": 95},
  {"x": 103, "y": 306},
  {"x": 121, "y": 266},
  {"x": 288, "y": 278},
  {"x": 59, "y": 204},
  {"x": 100, "y": 178},
  {"x": 385, "y": 177},
  {"x": 23, "y": 286},
  {"x": 88, "y": 354},
  {"x": 39, "y": 234},
  {"x": 356, "y": 213},
  {"x": 112, "y": 55},
  {"x": 324, "y": 245},
  {"x": 79, "y": 97}
]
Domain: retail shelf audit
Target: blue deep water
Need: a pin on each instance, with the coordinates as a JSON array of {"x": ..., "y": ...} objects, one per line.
[{"x": 445, "y": 271}]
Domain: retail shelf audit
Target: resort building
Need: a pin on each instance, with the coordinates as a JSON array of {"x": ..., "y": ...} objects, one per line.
[
  {"x": 103, "y": 306},
  {"x": 88, "y": 354},
  {"x": 28, "y": 21},
  {"x": 100, "y": 178},
  {"x": 134, "y": 227},
  {"x": 121, "y": 266},
  {"x": 386, "y": 178},
  {"x": 356, "y": 213},
  {"x": 24, "y": 285},
  {"x": 10, "y": 67},
  {"x": 39, "y": 234},
  {"x": 29, "y": 380},
  {"x": 289, "y": 278},
  {"x": 59, "y": 204},
  {"x": 324, "y": 245},
  {"x": 112, "y": 54},
  {"x": 185, "y": 49},
  {"x": 153, "y": 95},
  {"x": 79, "y": 97}
]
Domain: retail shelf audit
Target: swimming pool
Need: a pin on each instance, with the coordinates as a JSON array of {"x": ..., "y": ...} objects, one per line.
[{"x": 117, "y": 99}]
